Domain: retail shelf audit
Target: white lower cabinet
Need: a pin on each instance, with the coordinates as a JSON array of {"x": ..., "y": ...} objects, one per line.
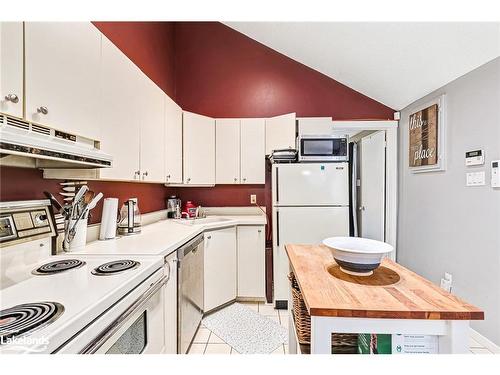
[
  {"x": 170, "y": 310},
  {"x": 251, "y": 261},
  {"x": 220, "y": 267}
]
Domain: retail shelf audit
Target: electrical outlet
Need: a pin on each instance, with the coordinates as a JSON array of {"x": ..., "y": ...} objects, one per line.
[
  {"x": 448, "y": 276},
  {"x": 446, "y": 285},
  {"x": 253, "y": 199}
]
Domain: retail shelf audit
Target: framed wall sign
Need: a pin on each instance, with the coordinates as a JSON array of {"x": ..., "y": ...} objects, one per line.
[{"x": 426, "y": 129}]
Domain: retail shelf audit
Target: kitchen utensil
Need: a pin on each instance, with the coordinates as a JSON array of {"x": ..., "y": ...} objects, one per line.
[
  {"x": 69, "y": 189},
  {"x": 76, "y": 201},
  {"x": 130, "y": 218},
  {"x": 108, "y": 219},
  {"x": 73, "y": 183},
  {"x": 357, "y": 256},
  {"x": 74, "y": 223},
  {"x": 55, "y": 203},
  {"x": 66, "y": 194}
]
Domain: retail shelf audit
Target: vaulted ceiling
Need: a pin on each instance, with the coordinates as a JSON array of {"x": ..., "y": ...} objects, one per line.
[{"x": 393, "y": 63}]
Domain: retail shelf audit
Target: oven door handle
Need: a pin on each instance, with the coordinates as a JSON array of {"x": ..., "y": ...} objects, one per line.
[{"x": 111, "y": 329}]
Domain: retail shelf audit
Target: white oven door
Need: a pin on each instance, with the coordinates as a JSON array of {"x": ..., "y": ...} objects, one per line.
[{"x": 135, "y": 325}]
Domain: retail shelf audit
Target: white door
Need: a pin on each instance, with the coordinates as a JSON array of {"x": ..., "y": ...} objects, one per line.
[
  {"x": 280, "y": 132},
  {"x": 199, "y": 149},
  {"x": 302, "y": 225},
  {"x": 11, "y": 68},
  {"x": 253, "y": 154},
  {"x": 309, "y": 184},
  {"x": 120, "y": 114},
  {"x": 251, "y": 261},
  {"x": 152, "y": 134},
  {"x": 173, "y": 142},
  {"x": 220, "y": 267},
  {"x": 171, "y": 305},
  {"x": 227, "y": 151},
  {"x": 372, "y": 170},
  {"x": 62, "y": 76}
]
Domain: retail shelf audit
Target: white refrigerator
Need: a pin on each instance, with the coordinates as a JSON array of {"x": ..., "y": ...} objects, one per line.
[{"x": 310, "y": 203}]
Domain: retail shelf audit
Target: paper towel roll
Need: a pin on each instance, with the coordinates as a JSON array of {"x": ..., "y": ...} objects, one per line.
[{"x": 108, "y": 219}]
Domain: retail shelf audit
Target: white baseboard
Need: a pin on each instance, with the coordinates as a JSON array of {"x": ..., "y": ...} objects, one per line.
[{"x": 491, "y": 346}]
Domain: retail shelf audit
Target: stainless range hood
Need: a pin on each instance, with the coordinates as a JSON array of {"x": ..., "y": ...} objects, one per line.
[{"x": 26, "y": 144}]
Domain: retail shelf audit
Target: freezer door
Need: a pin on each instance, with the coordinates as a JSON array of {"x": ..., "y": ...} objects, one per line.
[
  {"x": 311, "y": 184},
  {"x": 302, "y": 225}
]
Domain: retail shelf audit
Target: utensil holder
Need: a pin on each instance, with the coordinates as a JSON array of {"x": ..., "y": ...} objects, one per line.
[{"x": 80, "y": 238}]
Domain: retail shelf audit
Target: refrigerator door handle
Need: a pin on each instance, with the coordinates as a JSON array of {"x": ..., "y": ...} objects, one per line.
[
  {"x": 277, "y": 185},
  {"x": 277, "y": 228}
]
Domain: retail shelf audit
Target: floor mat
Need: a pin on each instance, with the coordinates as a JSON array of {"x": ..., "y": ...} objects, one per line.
[{"x": 246, "y": 330}]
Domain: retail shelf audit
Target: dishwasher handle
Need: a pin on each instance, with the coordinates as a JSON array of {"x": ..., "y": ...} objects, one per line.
[{"x": 190, "y": 246}]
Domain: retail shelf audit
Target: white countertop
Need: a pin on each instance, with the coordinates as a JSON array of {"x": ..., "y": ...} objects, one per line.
[{"x": 164, "y": 236}]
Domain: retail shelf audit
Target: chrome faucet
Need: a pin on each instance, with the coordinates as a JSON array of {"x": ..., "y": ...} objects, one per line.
[{"x": 185, "y": 213}]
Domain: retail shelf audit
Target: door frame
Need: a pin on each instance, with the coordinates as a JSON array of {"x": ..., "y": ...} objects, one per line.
[{"x": 391, "y": 169}]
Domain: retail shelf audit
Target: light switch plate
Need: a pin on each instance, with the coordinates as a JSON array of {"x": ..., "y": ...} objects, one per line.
[
  {"x": 475, "y": 178},
  {"x": 253, "y": 199}
]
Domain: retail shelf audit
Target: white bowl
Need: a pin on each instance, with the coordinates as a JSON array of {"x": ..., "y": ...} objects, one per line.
[{"x": 356, "y": 255}]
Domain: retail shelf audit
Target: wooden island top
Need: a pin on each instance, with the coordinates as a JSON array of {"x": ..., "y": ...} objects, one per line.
[{"x": 392, "y": 291}]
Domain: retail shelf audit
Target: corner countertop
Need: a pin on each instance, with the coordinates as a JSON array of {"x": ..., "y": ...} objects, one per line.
[
  {"x": 397, "y": 292},
  {"x": 164, "y": 236}
]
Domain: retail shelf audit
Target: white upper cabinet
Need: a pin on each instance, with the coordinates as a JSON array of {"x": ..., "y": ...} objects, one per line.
[
  {"x": 173, "y": 142},
  {"x": 11, "y": 68},
  {"x": 120, "y": 113},
  {"x": 227, "y": 151},
  {"x": 199, "y": 149},
  {"x": 62, "y": 76},
  {"x": 280, "y": 132},
  {"x": 152, "y": 124},
  {"x": 253, "y": 157}
]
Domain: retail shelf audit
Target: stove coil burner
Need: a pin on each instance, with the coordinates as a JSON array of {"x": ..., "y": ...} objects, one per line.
[
  {"x": 26, "y": 318},
  {"x": 58, "y": 266},
  {"x": 117, "y": 266}
]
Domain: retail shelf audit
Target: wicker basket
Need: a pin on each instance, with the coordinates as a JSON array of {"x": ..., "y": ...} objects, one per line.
[{"x": 342, "y": 343}]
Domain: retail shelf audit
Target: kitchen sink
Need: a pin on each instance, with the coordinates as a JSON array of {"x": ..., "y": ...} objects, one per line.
[{"x": 203, "y": 220}]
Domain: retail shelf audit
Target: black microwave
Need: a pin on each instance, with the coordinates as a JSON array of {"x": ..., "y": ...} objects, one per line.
[{"x": 323, "y": 148}]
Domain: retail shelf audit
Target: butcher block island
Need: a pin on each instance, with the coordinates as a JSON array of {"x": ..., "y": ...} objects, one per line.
[{"x": 394, "y": 300}]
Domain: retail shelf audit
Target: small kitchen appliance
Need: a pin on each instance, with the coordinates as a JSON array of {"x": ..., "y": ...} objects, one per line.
[
  {"x": 283, "y": 156},
  {"x": 173, "y": 206},
  {"x": 130, "y": 218},
  {"x": 322, "y": 148}
]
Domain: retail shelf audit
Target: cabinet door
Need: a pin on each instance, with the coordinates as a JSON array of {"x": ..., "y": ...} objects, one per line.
[
  {"x": 11, "y": 68},
  {"x": 62, "y": 76},
  {"x": 173, "y": 142},
  {"x": 171, "y": 305},
  {"x": 227, "y": 151},
  {"x": 251, "y": 261},
  {"x": 253, "y": 156},
  {"x": 280, "y": 132},
  {"x": 220, "y": 267},
  {"x": 120, "y": 113},
  {"x": 152, "y": 123},
  {"x": 199, "y": 149}
]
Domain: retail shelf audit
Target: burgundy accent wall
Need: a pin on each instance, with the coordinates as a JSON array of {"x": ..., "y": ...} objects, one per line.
[
  {"x": 214, "y": 70},
  {"x": 25, "y": 184},
  {"x": 150, "y": 45},
  {"x": 223, "y": 73}
]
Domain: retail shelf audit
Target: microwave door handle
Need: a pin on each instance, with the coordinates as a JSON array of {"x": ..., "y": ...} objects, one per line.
[{"x": 112, "y": 328}]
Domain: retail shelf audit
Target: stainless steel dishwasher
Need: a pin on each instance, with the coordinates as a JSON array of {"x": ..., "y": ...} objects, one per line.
[{"x": 189, "y": 291}]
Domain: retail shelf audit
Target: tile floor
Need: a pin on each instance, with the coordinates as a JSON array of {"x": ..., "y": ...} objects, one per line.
[{"x": 207, "y": 342}]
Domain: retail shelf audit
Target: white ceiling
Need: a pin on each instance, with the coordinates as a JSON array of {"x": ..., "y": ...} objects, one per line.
[{"x": 393, "y": 63}]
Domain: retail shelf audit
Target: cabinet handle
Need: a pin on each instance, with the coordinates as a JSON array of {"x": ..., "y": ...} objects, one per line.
[
  {"x": 209, "y": 237},
  {"x": 244, "y": 179},
  {"x": 168, "y": 177},
  {"x": 260, "y": 231},
  {"x": 12, "y": 98},
  {"x": 43, "y": 110},
  {"x": 235, "y": 179},
  {"x": 144, "y": 174},
  {"x": 137, "y": 173},
  {"x": 188, "y": 179}
]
